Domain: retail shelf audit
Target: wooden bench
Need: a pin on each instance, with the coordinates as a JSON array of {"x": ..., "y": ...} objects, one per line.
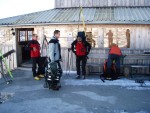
[
  {"x": 97, "y": 63},
  {"x": 89, "y": 65},
  {"x": 140, "y": 61},
  {"x": 135, "y": 67}
]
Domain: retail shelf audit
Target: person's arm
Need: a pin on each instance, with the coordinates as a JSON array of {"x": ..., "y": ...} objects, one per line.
[
  {"x": 51, "y": 51},
  {"x": 29, "y": 46},
  {"x": 72, "y": 47},
  {"x": 88, "y": 47}
]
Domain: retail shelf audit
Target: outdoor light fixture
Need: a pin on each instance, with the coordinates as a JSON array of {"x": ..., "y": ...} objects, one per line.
[{"x": 13, "y": 31}]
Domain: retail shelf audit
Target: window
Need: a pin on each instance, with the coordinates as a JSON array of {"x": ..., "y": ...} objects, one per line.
[
  {"x": 30, "y": 35},
  {"x": 25, "y": 35},
  {"x": 22, "y": 36}
]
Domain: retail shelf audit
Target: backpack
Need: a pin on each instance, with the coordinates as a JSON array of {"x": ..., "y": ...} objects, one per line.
[{"x": 105, "y": 73}]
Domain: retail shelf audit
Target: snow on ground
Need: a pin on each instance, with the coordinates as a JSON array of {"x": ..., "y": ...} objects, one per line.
[
  {"x": 123, "y": 82},
  {"x": 122, "y": 111},
  {"x": 142, "y": 112}
]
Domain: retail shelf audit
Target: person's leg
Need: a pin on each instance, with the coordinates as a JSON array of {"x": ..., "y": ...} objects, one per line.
[
  {"x": 34, "y": 67},
  {"x": 34, "y": 62},
  {"x": 41, "y": 68},
  {"x": 109, "y": 62},
  {"x": 78, "y": 59},
  {"x": 109, "y": 42},
  {"x": 109, "y": 65},
  {"x": 60, "y": 68},
  {"x": 84, "y": 59},
  {"x": 117, "y": 59}
]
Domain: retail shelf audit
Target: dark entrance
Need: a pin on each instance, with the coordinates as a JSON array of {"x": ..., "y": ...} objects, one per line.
[{"x": 24, "y": 36}]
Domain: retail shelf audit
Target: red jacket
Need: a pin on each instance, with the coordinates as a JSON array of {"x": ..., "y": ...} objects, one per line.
[
  {"x": 80, "y": 49},
  {"x": 34, "y": 53},
  {"x": 115, "y": 50}
]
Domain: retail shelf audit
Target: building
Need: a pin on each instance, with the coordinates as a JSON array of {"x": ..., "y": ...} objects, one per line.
[{"x": 125, "y": 22}]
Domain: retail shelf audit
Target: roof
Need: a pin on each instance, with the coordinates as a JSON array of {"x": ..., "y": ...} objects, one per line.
[{"x": 105, "y": 15}]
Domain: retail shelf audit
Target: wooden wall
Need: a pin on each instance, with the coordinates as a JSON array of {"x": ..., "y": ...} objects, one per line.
[
  {"x": 99, "y": 55},
  {"x": 100, "y": 3},
  {"x": 10, "y": 59},
  {"x": 139, "y": 34},
  {"x": 139, "y": 42},
  {"x": 139, "y": 39}
]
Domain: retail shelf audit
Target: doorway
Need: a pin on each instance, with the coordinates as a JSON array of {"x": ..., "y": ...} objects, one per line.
[{"x": 24, "y": 35}]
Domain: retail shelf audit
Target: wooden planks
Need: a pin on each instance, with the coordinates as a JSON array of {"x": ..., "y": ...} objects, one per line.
[
  {"x": 10, "y": 59},
  {"x": 99, "y": 55},
  {"x": 100, "y": 3}
]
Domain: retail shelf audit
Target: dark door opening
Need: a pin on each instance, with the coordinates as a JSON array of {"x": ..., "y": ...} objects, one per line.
[
  {"x": 25, "y": 53},
  {"x": 24, "y": 36}
]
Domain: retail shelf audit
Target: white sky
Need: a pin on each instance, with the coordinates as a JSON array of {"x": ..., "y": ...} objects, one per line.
[{"x": 9, "y": 8}]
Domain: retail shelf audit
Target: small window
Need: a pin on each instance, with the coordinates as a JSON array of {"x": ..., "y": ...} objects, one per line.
[
  {"x": 30, "y": 35},
  {"x": 22, "y": 36},
  {"x": 25, "y": 35}
]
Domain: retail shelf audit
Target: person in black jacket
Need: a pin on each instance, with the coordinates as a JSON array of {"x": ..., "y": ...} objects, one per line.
[{"x": 81, "y": 48}]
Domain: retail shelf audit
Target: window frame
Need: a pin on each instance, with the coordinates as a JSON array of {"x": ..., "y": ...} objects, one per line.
[{"x": 26, "y": 34}]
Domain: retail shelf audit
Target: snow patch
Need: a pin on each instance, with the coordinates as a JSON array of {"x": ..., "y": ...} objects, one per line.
[
  {"x": 5, "y": 96},
  {"x": 129, "y": 84},
  {"x": 142, "y": 112},
  {"x": 18, "y": 88},
  {"x": 94, "y": 96},
  {"x": 124, "y": 111},
  {"x": 120, "y": 111},
  {"x": 87, "y": 82},
  {"x": 69, "y": 72},
  {"x": 138, "y": 88}
]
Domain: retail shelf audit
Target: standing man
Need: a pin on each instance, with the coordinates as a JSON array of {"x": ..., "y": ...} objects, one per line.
[
  {"x": 35, "y": 55},
  {"x": 54, "y": 54},
  {"x": 114, "y": 55},
  {"x": 81, "y": 48},
  {"x": 54, "y": 51}
]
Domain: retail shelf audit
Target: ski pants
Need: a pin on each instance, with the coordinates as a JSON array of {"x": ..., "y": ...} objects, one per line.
[
  {"x": 111, "y": 58},
  {"x": 80, "y": 59}
]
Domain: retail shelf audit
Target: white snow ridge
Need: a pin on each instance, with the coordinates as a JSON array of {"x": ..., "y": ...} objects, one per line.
[{"x": 129, "y": 84}]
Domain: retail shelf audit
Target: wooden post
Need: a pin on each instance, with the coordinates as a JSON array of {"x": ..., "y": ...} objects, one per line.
[{"x": 15, "y": 48}]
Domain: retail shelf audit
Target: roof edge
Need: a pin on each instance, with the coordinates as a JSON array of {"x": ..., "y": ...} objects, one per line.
[{"x": 76, "y": 23}]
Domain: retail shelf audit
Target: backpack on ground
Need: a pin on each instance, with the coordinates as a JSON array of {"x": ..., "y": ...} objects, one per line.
[{"x": 52, "y": 76}]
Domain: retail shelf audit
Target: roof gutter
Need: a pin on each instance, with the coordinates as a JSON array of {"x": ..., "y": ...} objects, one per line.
[{"x": 76, "y": 23}]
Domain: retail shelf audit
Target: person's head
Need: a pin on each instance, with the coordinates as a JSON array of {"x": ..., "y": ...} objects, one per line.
[
  {"x": 114, "y": 44},
  {"x": 57, "y": 34},
  {"x": 79, "y": 39},
  {"x": 128, "y": 30},
  {"x": 34, "y": 37}
]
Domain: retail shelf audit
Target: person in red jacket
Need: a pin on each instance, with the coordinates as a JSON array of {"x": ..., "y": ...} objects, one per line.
[
  {"x": 81, "y": 48},
  {"x": 35, "y": 55},
  {"x": 114, "y": 55}
]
